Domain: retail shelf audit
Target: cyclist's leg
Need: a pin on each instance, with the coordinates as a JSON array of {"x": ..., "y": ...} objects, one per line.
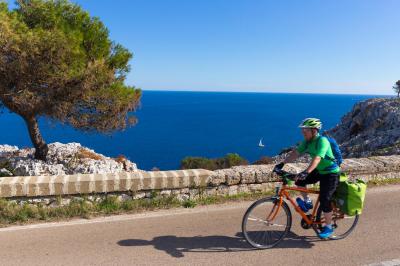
[
  {"x": 328, "y": 184},
  {"x": 312, "y": 178}
]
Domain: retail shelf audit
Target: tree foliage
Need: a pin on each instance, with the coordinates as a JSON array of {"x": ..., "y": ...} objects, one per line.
[
  {"x": 57, "y": 61},
  {"x": 396, "y": 88}
]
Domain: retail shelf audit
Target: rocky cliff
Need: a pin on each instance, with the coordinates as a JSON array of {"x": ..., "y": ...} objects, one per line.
[{"x": 372, "y": 127}]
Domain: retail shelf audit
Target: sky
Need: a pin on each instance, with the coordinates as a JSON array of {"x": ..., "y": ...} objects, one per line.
[{"x": 341, "y": 46}]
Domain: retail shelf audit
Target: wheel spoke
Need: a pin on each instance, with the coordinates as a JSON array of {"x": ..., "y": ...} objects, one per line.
[
  {"x": 269, "y": 237},
  {"x": 259, "y": 238},
  {"x": 275, "y": 233},
  {"x": 266, "y": 237},
  {"x": 279, "y": 225},
  {"x": 257, "y": 219}
]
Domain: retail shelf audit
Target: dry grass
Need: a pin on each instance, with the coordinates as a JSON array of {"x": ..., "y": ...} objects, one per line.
[
  {"x": 382, "y": 182},
  {"x": 120, "y": 159},
  {"x": 86, "y": 154}
]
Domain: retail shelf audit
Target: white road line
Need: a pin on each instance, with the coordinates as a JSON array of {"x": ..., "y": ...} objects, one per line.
[{"x": 394, "y": 262}]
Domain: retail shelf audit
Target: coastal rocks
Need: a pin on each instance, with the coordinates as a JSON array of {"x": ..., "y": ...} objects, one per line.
[
  {"x": 371, "y": 128},
  {"x": 305, "y": 158},
  {"x": 5, "y": 172},
  {"x": 124, "y": 197},
  {"x": 30, "y": 167},
  {"x": 7, "y": 149},
  {"x": 62, "y": 159}
]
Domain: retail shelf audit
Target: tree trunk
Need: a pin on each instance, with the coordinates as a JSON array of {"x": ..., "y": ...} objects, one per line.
[{"x": 40, "y": 145}]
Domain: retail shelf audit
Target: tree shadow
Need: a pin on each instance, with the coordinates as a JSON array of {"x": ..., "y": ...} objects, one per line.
[{"x": 177, "y": 246}]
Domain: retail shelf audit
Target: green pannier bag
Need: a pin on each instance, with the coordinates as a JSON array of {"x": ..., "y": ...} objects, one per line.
[{"x": 350, "y": 195}]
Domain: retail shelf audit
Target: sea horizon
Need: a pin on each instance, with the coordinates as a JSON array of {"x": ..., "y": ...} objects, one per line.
[{"x": 268, "y": 92}]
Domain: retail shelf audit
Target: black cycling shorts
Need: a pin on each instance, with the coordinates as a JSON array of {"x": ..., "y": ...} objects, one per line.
[{"x": 328, "y": 184}]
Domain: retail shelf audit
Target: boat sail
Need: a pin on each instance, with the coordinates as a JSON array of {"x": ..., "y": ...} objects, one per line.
[{"x": 260, "y": 144}]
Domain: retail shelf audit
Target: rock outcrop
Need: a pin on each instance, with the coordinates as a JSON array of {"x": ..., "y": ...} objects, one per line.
[
  {"x": 62, "y": 159},
  {"x": 371, "y": 128}
]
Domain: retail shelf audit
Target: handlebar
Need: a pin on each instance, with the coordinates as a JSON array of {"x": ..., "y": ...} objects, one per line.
[{"x": 285, "y": 174}]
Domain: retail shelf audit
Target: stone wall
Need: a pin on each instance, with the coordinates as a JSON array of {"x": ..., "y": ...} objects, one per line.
[{"x": 183, "y": 184}]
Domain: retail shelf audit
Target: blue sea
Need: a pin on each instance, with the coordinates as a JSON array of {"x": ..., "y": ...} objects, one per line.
[{"x": 174, "y": 124}]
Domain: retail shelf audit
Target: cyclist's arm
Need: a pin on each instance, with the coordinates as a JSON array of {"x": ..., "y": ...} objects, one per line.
[{"x": 314, "y": 163}]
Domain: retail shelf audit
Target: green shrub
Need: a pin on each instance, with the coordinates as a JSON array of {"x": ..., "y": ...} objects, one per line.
[
  {"x": 198, "y": 163},
  {"x": 109, "y": 205},
  {"x": 189, "y": 203},
  {"x": 231, "y": 159},
  {"x": 129, "y": 205},
  {"x": 264, "y": 160}
]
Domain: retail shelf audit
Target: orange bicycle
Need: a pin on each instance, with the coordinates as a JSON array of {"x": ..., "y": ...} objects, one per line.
[{"x": 268, "y": 220}]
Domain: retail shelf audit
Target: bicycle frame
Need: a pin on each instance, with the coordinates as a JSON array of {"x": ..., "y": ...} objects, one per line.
[{"x": 284, "y": 193}]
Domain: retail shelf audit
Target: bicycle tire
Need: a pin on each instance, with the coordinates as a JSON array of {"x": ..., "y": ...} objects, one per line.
[{"x": 249, "y": 235}]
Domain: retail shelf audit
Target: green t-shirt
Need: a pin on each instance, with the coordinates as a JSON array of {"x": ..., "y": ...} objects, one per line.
[{"x": 320, "y": 146}]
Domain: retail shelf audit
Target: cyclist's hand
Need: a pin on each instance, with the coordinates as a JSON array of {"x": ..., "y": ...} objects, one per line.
[
  {"x": 303, "y": 175},
  {"x": 278, "y": 167}
]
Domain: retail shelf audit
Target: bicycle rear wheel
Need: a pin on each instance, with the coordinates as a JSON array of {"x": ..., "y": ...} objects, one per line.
[
  {"x": 342, "y": 224},
  {"x": 265, "y": 224}
]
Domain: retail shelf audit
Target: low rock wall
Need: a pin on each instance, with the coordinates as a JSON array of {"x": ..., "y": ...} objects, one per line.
[{"x": 184, "y": 184}]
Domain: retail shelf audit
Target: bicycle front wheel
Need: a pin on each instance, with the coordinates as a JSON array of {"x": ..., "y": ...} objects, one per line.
[{"x": 265, "y": 223}]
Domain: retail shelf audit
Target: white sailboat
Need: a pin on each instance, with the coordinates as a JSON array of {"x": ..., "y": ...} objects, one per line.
[{"x": 260, "y": 144}]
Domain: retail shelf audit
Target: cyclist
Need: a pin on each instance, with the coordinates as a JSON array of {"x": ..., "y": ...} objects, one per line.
[{"x": 322, "y": 168}]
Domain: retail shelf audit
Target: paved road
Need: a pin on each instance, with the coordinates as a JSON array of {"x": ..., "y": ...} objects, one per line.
[{"x": 202, "y": 236}]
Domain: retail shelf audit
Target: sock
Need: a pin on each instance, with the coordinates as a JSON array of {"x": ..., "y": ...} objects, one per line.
[
  {"x": 307, "y": 199},
  {"x": 329, "y": 226}
]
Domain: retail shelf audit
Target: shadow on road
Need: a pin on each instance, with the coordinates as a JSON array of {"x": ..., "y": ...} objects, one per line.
[{"x": 177, "y": 246}]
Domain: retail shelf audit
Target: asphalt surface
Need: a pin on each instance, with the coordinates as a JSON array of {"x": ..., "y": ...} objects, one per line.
[{"x": 209, "y": 235}]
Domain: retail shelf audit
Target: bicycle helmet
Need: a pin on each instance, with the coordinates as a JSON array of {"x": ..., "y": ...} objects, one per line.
[{"x": 311, "y": 123}]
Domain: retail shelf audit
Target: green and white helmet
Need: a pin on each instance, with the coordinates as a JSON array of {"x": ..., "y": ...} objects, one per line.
[{"x": 311, "y": 123}]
